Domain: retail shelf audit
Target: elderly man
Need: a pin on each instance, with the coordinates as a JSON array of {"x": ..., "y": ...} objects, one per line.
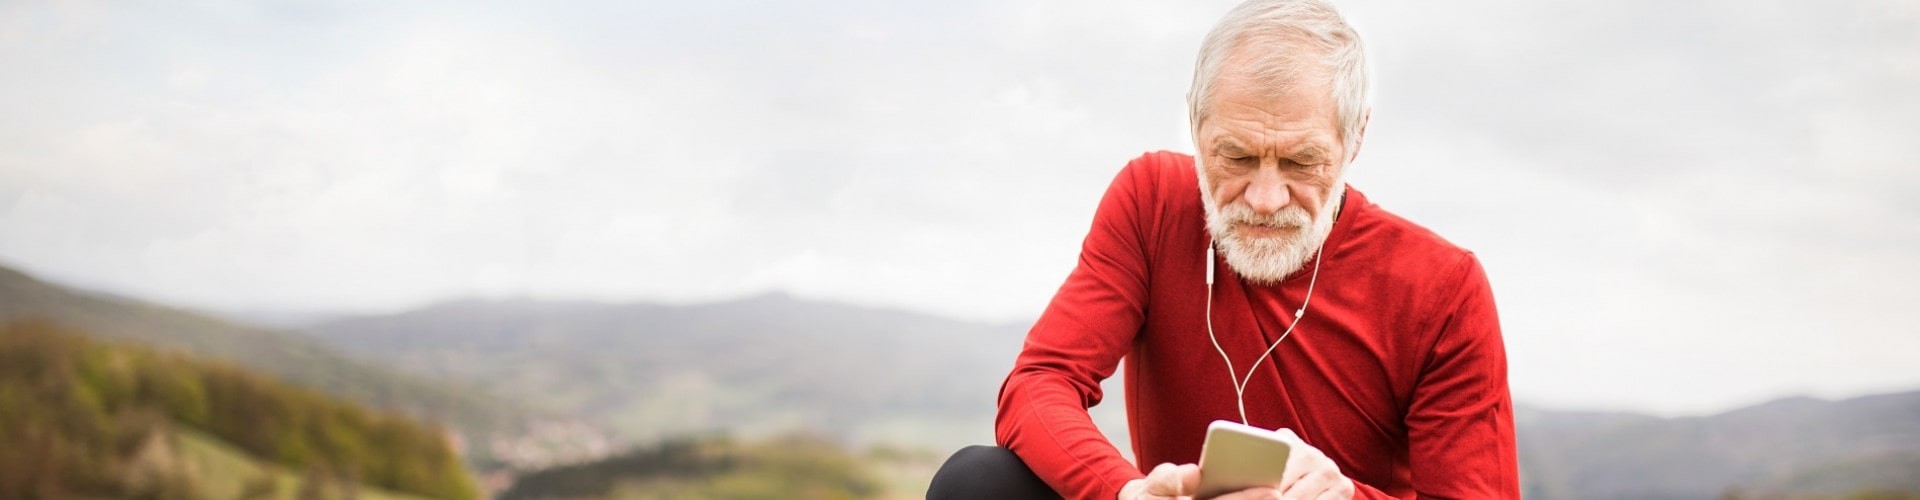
[{"x": 1372, "y": 338}]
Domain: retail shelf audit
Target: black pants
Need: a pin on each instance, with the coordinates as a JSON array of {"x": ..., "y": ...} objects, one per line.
[{"x": 987, "y": 472}]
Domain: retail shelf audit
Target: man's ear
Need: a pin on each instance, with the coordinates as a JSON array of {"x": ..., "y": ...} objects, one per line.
[{"x": 1364, "y": 120}]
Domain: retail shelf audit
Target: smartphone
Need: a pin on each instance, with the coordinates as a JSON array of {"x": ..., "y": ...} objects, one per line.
[{"x": 1238, "y": 456}]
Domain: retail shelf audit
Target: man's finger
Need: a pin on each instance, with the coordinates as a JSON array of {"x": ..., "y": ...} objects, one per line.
[
  {"x": 1342, "y": 490},
  {"x": 1302, "y": 460},
  {"x": 1189, "y": 479},
  {"x": 1259, "y": 493},
  {"x": 1161, "y": 480},
  {"x": 1173, "y": 480},
  {"x": 1311, "y": 485}
]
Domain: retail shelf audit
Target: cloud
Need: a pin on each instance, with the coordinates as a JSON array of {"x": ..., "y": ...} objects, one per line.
[{"x": 1682, "y": 207}]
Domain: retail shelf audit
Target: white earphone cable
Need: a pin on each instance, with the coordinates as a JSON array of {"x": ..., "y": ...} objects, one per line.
[{"x": 1240, "y": 384}]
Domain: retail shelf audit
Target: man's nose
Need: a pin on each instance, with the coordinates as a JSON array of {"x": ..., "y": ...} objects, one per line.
[{"x": 1267, "y": 193}]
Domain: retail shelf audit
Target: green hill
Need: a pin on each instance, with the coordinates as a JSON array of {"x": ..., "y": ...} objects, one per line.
[
  {"x": 83, "y": 418},
  {"x": 220, "y": 470},
  {"x": 287, "y": 356}
]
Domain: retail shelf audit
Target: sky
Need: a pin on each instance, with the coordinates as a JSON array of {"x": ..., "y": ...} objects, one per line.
[{"x": 1684, "y": 207}]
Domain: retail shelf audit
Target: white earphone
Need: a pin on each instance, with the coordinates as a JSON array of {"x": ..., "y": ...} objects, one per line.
[{"x": 1240, "y": 384}]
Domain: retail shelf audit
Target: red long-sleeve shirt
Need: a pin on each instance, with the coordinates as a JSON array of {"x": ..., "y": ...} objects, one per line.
[{"x": 1397, "y": 372}]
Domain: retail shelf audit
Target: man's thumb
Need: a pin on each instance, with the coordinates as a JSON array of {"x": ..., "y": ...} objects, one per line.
[
  {"x": 1189, "y": 479},
  {"x": 1173, "y": 480}
]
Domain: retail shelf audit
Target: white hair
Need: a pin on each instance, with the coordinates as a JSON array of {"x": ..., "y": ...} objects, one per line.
[{"x": 1275, "y": 36}]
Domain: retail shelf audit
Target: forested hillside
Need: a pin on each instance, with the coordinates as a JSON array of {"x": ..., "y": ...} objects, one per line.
[
  {"x": 86, "y": 418},
  {"x": 282, "y": 355}
]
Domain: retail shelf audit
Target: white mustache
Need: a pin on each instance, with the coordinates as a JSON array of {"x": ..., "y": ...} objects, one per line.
[{"x": 1290, "y": 217}]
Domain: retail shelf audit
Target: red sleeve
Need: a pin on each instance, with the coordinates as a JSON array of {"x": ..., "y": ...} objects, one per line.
[
  {"x": 1460, "y": 421},
  {"x": 1077, "y": 342}
]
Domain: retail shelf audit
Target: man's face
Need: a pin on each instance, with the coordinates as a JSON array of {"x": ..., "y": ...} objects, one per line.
[{"x": 1270, "y": 169}]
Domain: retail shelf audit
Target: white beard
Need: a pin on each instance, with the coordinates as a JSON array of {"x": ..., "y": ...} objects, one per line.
[{"x": 1266, "y": 260}]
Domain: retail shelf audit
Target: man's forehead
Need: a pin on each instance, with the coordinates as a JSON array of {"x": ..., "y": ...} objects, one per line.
[{"x": 1294, "y": 117}]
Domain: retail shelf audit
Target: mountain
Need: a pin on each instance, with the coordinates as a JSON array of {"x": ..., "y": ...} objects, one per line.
[
  {"x": 760, "y": 365},
  {"x": 277, "y": 319},
  {"x": 80, "y": 418},
  {"x": 284, "y": 355},
  {"x": 1787, "y": 448},
  {"x": 774, "y": 363}
]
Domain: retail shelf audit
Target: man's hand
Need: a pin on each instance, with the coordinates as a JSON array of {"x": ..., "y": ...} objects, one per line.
[
  {"x": 1310, "y": 476},
  {"x": 1166, "y": 481}
]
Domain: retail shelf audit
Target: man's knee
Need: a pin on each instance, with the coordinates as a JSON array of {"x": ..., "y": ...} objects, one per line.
[{"x": 987, "y": 472}]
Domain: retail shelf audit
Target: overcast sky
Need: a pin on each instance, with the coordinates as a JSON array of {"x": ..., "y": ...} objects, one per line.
[{"x": 1683, "y": 206}]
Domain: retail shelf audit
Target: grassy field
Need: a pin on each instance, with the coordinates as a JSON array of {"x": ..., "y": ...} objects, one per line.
[{"x": 223, "y": 471}]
